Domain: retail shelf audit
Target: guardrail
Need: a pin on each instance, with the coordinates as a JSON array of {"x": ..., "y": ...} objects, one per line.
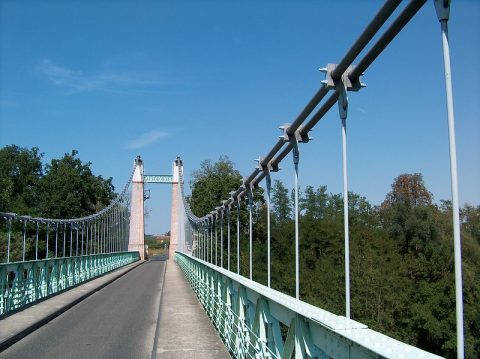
[
  {"x": 255, "y": 321},
  {"x": 24, "y": 283}
]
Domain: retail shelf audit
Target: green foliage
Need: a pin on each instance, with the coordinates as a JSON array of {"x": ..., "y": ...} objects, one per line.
[
  {"x": 211, "y": 184},
  {"x": 281, "y": 204},
  {"x": 401, "y": 259},
  {"x": 409, "y": 214},
  {"x": 410, "y": 190},
  {"x": 20, "y": 173},
  {"x": 471, "y": 221},
  {"x": 313, "y": 203},
  {"x": 65, "y": 188},
  {"x": 154, "y": 242},
  {"x": 70, "y": 190}
]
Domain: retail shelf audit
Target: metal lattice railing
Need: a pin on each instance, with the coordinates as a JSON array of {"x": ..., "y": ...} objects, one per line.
[
  {"x": 23, "y": 283},
  {"x": 43, "y": 256},
  {"x": 255, "y": 321}
]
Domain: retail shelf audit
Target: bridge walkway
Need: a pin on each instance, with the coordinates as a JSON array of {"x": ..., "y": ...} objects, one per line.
[
  {"x": 148, "y": 312},
  {"x": 185, "y": 330}
]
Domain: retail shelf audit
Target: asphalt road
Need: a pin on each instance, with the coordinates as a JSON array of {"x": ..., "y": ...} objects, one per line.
[{"x": 119, "y": 321}]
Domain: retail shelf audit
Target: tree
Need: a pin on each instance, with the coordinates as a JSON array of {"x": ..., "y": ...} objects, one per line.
[
  {"x": 410, "y": 190},
  {"x": 212, "y": 183},
  {"x": 281, "y": 204},
  {"x": 20, "y": 173},
  {"x": 471, "y": 220},
  {"x": 66, "y": 188},
  {"x": 408, "y": 213},
  {"x": 314, "y": 203},
  {"x": 69, "y": 189}
]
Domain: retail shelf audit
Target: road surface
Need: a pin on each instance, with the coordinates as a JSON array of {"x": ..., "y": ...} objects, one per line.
[{"x": 119, "y": 321}]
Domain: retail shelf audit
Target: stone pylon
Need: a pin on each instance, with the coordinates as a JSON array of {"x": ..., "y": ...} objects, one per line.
[
  {"x": 177, "y": 224},
  {"x": 137, "y": 224}
]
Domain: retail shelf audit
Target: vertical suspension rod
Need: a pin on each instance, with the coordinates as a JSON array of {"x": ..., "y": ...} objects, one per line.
[
  {"x": 268, "y": 184},
  {"x": 228, "y": 238},
  {"x": 9, "y": 238},
  {"x": 250, "y": 228},
  {"x": 296, "y": 156},
  {"x": 221, "y": 239},
  {"x": 238, "y": 235},
  {"x": 443, "y": 12},
  {"x": 345, "y": 219}
]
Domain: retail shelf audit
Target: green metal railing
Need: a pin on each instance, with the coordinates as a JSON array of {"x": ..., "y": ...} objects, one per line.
[
  {"x": 255, "y": 321},
  {"x": 24, "y": 283}
]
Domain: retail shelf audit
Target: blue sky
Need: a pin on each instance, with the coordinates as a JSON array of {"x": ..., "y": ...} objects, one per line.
[{"x": 114, "y": 79}]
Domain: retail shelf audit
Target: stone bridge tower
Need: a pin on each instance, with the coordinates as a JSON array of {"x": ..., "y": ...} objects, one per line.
[
  {"x": 137, "y": 224},
  {"x": 177, "y": 225}
]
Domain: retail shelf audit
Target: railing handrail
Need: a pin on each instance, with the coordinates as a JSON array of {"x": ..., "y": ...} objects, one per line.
[{"x": 352, "y": 337}]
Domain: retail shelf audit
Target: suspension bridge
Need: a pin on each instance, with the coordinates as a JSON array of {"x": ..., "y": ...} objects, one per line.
[{"x": 89, "y": 279}]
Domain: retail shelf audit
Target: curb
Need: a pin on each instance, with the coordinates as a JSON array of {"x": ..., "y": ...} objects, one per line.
[{"x": 157, "y": 329}]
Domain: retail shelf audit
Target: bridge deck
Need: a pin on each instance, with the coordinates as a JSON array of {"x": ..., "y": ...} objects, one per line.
[{"x": 121, "y": 321}]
